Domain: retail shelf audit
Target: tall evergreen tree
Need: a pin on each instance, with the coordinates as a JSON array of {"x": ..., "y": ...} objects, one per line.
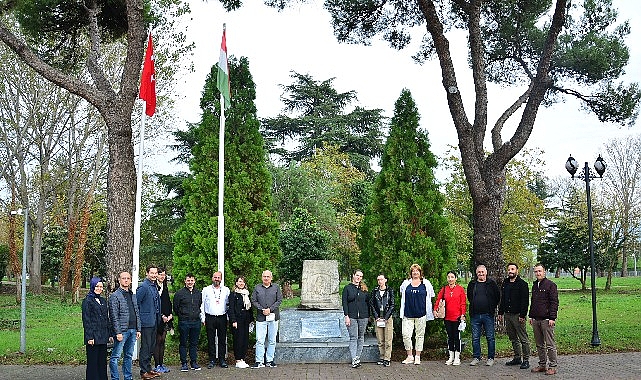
[
  {"x": 317, "y": 117},
  {"x": 251, "y": 231},
  {"x": 406, "y": 223}
]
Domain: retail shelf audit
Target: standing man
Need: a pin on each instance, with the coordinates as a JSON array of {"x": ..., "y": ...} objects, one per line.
[
  {"x": 214, "y": 317},
  {"x": 266, "y": 298},
  {"x": 125, "y": 320},
  {"x": 187, "y": 303},
  {"x": 515, "y": 299},
  {"x": 543, "y": 313},
  {"x": 150, "y": 317},
  {"x": 484, "y": 296}
]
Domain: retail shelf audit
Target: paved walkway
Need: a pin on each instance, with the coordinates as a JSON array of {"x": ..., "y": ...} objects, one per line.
[{"x": 603, "y": 367}]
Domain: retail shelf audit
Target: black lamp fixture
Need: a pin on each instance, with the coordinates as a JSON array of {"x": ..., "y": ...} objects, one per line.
[{"x": 571, "y": 165}]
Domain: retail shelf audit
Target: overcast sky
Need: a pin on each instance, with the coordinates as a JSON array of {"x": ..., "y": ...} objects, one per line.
[{"x": 301, "y": 39}]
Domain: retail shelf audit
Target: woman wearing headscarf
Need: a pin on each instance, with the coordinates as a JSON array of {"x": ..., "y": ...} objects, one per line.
[
  {"x": 166, "y": 322},
  {"x": 95, "y": 322},
  {"x": 454, "y": 296},
  {"x": 240, "y": 316},
  {"x": 416, "y": 309},
  {"x": 356, "y": 310}
]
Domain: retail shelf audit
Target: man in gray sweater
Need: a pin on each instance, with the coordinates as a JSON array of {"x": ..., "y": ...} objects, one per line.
[{"x": 266, "y": 298}]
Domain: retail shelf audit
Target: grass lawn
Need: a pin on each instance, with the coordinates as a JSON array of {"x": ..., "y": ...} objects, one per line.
[{"x": 54, "y": 330}]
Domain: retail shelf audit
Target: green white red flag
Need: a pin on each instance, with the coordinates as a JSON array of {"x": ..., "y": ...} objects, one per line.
[
  {"x": 223, "y": 72},
  {"x": 148, "y": 81}
]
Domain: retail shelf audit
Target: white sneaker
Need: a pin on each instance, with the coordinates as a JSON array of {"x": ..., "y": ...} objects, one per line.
[
  {"x": 475, "y": 361},
  {"x": 417, "y": 360},
  {"x": 457, "y": 358},
  {"x": 241, "y": 364},
  {"x": 451, "y": 359},
  {"x": 408, "y": 360},
  {"x": 489, "y": 362}
]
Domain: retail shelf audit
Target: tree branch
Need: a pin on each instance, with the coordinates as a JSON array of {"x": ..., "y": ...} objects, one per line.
[
  {"x": 56, "y": 76},
  {"x": 539, "y": 86}
]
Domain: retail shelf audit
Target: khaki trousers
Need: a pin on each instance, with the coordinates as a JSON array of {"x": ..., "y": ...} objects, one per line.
[
  {"x": 408, "y": 325},
  {"x": 384, "y": 335},
  {"x": 545, "y": 345}
]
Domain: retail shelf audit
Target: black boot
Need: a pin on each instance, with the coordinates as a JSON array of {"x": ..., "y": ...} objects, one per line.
[{"x": 515, "y": 361}]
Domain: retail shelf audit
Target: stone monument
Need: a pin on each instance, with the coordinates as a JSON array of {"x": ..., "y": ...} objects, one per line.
[
  {"x": 319, "y": 287},
  {"x": 316, "y": 332}
]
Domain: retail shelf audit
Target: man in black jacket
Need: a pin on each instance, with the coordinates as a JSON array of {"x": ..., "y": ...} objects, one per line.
[
  {"x": 187, "y": 307},
  {"x": 514, "y": 304},
  {"x": 483, "y": 295}
]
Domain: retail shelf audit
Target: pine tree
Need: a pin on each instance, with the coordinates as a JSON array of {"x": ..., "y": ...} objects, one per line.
[
  {"x": 405, "y": 223},
  {"x": 251, "y": 231}
]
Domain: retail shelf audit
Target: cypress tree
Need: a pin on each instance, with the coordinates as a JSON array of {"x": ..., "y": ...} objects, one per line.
[
  {"x": 251, "y": 231},
  {"x": 405, "y": 223}
]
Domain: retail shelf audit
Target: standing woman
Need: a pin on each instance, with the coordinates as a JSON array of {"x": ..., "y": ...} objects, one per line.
[
  {"x": 454, "y": 296},
  {"x": 382, "y": 306},
  {"x": 166, "y": 321},
  {"x": 356, "y": 310},
  {"x": 240, "y": 315},
  {"x": 416, "y": 309},
  {"x": 95, "y": 321}
]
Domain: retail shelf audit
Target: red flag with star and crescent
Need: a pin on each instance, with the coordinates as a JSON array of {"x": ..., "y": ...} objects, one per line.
[{"x": 148, "y": 81}]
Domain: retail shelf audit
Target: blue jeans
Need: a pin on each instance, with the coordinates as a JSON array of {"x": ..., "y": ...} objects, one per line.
[
  {"x": 486, "y": 321},
  {"x": 189, "y": 332},
  {"x": 266, "y": 330},
  {"x": 126, "y": 346}
]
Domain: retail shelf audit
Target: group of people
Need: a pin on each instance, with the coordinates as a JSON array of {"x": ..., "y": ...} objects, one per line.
[
  {"x": 484, "y": 297},
  {"x": 147, "y": 315}
]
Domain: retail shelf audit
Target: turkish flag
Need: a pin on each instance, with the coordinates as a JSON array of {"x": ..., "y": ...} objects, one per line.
[{"x": 148, "y": 81}]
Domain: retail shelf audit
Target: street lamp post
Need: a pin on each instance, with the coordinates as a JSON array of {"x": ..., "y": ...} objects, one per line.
[
  {"x": 23, "y": 297},
  {"x": 571, "y": 165}
]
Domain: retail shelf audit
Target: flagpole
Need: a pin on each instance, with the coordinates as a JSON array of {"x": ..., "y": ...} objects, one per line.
[
  {"x": 138, "y": 216},
  {"x": 135, "y": 270},
  {"x": 221, "y": 190}
]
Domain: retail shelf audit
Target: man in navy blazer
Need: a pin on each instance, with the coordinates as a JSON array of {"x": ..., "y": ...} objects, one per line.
[{"x": 149, "y": 306}]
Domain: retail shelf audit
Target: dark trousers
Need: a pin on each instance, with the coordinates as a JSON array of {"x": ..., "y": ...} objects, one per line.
[
  {"x": 147, "y": 345},
  {"x": 241, "y": 339},
  {"x": 216, "y": 324},
  {"x": 96, "y": 362},
  {"x": 159, "y": 350},
  {"x": 453, "y": 336},
  {"x": 189, "y": 332}
]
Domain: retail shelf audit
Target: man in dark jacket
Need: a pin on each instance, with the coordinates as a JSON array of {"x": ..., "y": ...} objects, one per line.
[
  {"x": 150, "y": 317},
  {"x": 125, "y": 320},
  {"x": 515, "y": 298},
  {"x": 187, "y": 307},
  {"x": 543, "y": 312},
  {"x": 483, "y": 295}
]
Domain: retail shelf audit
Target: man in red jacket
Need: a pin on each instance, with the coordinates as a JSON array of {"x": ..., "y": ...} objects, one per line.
[{"x": 543, "y": 312}]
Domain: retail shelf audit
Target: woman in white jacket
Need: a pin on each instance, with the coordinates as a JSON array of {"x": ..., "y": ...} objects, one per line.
[{"x": 416, "y": 309}]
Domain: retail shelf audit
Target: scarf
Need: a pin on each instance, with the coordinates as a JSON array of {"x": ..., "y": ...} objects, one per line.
[
  {"x": 92, "y": 287},
  {"x": 245, "y": 293}
]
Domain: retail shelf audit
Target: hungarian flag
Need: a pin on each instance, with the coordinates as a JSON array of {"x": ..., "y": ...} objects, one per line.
[
  {"x": 148, "y": 81},
  {"x": 223, "y": 72}
]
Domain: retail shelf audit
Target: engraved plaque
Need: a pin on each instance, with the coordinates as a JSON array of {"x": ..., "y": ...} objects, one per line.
[
  {"x": 320, "y": 328},
  {"x": 319, "y": 287}
]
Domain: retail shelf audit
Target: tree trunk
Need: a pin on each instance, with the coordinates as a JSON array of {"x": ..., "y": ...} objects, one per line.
[
  {"x": 66, "y": 262},
  {"x": 14, "y": 263},
  {"x": 487, "y": 243},
  {"x": 121, "y": 193}
]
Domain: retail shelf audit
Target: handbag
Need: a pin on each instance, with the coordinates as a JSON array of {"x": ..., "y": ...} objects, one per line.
[{"x": 440, "y": 310}]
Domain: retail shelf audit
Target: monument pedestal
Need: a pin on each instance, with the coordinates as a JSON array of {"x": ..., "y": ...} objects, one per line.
[{"x": 318, "y": 336}]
